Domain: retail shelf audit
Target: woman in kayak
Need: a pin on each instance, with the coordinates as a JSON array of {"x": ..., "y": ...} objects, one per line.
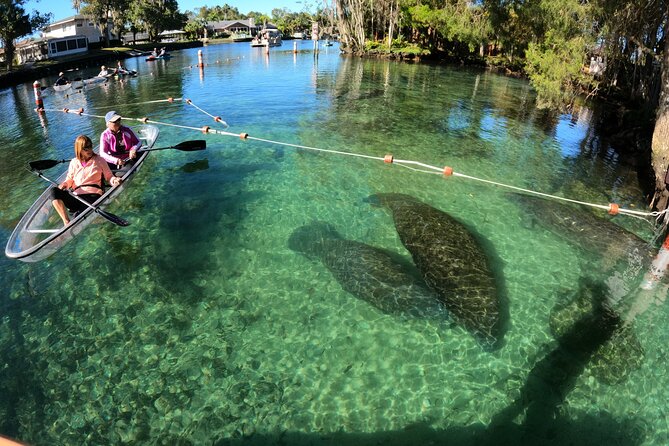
[{"x": 85, "y": 178}]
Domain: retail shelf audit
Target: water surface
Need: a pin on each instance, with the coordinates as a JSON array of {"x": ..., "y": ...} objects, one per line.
[{"x": 198, "y": 324}]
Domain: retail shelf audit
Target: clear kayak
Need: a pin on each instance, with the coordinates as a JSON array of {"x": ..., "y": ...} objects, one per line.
[{"x": 40, "y": 232}]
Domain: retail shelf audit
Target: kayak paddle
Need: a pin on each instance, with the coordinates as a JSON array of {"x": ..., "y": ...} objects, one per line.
[
  {"x": 118, "y": 221},
  {"x": 186, "y": 146},
  {"x": 45, "y": 164}
]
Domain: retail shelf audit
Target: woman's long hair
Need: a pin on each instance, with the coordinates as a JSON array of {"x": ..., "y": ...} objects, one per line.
[{"x": 80, "y": 143}]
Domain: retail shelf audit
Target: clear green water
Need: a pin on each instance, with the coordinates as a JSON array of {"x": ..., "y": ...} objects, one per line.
[{"x": 198, "y": 324}]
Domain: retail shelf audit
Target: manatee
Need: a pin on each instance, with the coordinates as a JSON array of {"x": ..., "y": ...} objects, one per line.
[
  {"x": 584, "y": 229},
  {"x": 451, "y": 261},
  {"x": 369, "y": 273},
  {"x": 616, "y": 350}
]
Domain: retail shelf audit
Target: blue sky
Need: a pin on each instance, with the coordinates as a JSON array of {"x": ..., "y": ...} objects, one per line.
[{"x": 63, "y": 8}]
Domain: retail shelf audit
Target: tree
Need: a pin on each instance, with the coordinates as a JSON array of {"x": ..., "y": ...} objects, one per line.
[
  {"x": 15, "y": 23},
  {"x": 156, "y": 16},
  {"x": 101, "y": 13}
]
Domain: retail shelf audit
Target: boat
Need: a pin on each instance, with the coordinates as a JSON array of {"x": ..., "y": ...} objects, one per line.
[
  {"x": 40, "y": 233},
  {"x": 77, "y": 83},
  {"x": 62, "y": 87},
  {"x": 164, "y": 56},
  {"x": 241, "y": 37},
  {"x": 123, "y": 73},
  {"x": 94, "y": 80},
  {"x": 267, "y": 37}
]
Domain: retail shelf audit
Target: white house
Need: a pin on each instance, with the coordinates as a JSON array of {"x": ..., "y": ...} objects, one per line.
[{"x": 77, "y": 25}]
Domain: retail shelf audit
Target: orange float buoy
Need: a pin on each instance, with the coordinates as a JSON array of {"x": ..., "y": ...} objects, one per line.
[
  {"x": 448, "y": 171},
  {"x": 614, "y": 209},
  {"x": 205, "y": 129},
  {"x": 243, "y": 135},
  {"x": 388, "y": 159}
]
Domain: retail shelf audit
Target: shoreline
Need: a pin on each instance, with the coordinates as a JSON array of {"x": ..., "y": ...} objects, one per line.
[{"x": 20, "y": 74}]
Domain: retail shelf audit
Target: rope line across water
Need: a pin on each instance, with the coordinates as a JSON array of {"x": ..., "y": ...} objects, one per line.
[{"x": 611, "y": 208}]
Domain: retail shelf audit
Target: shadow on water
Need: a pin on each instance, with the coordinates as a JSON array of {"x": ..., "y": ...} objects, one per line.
[
  {"x": 587, "y": 431},
  {"x": 187, "y": 227},
  {"x": 541, "y": 398}
]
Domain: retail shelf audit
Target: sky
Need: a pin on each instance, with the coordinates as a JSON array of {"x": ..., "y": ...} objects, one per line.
[{"x": 63, "y": 8}]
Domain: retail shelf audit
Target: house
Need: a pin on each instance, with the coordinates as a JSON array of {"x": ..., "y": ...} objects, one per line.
[
  {"x": 31, "y": 50},
  {"x": 72, "y": 35},
  {"x": 77, "y": 25},
  {"x": 233, "y": 27}
]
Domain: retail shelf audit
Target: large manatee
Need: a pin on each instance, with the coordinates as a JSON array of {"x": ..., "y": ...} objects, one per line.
[
  {"x": 451, "y": 261},
  {"x": 368, "y": 273},
  {"x": 581, "y": 227}
]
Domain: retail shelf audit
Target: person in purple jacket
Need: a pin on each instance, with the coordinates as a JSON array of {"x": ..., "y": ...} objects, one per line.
[{"x": 118, "y": 144}]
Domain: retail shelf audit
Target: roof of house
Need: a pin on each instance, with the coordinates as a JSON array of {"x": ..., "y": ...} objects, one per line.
[
  {"x": 224, "y": 24},
  {"x": 67, "y": 19}
]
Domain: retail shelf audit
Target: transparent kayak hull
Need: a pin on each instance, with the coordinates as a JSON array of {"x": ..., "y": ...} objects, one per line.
[{"x": 40, "y": 232}]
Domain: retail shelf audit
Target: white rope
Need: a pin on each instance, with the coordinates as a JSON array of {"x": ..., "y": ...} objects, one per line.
[{"x": 402, "y": 163}]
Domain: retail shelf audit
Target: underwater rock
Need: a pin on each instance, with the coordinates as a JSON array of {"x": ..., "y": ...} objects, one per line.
[
  {"x": 451, "y": 261},
  {"x": 368, "y": 273},
  {"x": 616, "y": 351}
]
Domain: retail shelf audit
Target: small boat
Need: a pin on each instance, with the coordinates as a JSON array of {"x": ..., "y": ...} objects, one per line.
[
  {"x": 241, "y": 37},
  {"x": 40, "y": 233},
  {"x": 62, "y": 87},
  {"x": 164, "y": 56},
  {"x": 267, "y": 37},
  {"x": 123, "y": 73},
  {"x": 77, "y": 83}
]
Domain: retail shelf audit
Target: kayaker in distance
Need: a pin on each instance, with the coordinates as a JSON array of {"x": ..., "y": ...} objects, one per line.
[
  {"x": 62, "y": 80},
  {"x": 120, "y": 69},
  {"x": 85, "y": 177},
  {"x": 118, "y": 144},
  {"x": 103, "y": 72}
]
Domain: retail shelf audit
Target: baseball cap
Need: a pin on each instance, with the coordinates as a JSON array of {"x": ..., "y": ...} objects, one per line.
[{"x": 112, "y": 116}]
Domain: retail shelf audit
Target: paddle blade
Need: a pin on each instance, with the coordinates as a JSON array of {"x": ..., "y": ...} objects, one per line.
[
  {"x": 191, "y": 146},
  {"x": 118, "y": 221},
  {"x": 44, "y": 164}
]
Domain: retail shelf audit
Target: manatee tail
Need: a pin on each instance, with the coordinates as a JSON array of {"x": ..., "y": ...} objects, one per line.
[{"x": 310, "y": 239}]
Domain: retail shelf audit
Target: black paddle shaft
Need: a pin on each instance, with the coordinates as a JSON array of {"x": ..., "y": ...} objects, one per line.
[{"x": 118, "y": 221}]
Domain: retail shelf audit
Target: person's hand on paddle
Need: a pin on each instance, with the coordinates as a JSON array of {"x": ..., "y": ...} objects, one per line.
[
  {"x": 115, "y": 181},
  {"x": 133, "y": 154}
]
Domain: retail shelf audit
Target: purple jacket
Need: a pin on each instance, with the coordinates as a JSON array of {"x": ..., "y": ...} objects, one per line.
[{"x": 108, "y": 144}]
